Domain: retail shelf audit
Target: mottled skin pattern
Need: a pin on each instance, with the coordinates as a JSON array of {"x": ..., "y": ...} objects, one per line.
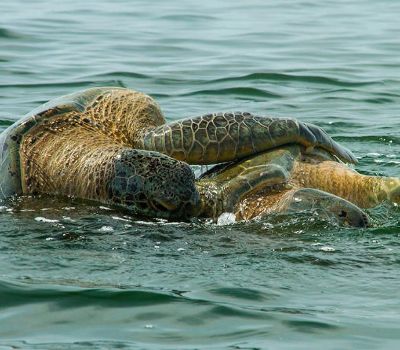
[
  {"x": 142, "y": 179},
  {"x": 333, "y": 177},
  {"x": 292, "y": 180},
  {"x": 103, "y": 143}
]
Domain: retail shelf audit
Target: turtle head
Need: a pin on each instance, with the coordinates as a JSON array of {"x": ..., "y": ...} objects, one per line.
[
  {"x": 328, "y": 206},
  {"x": 153, "y": 184}
]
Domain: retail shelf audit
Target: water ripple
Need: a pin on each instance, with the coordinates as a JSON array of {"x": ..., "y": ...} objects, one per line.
[
  {"x": 297, "y": 78},
  {"x": 82, "y": 276},
  {"x": 238, "y": 91},
  {"x": 13, "y": 295},
  {"x": 120, "y": 74},
  {"x": 9, "y": 34},
  {"x": 71, "y": 84}
]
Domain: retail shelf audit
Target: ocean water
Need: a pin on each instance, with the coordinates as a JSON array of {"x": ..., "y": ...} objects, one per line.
[{"x": 78, "y": 275}]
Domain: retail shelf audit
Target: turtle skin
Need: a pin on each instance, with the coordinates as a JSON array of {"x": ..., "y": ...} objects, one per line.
[
  {"x": 113, "y": 145},
  {"x": 289, "y": 179}
]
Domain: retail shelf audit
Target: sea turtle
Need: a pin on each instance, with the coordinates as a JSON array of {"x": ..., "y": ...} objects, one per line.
[
  {"x": 289, "y": 179},
  {"x": 112, "y": 145}
]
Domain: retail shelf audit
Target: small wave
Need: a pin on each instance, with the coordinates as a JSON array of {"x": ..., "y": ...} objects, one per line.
[
  {"x": 120, "y": 74},
  {"x": 187, "y": 17},
  {"x": 370, "y": 138},
  {"x": 309, "y": 326},
  {"x": 350, "y": 124},
  {"x": 5, "y": 122},
  {"x": 83, "y": 84},
  {"x": 13, "y": 294},
  {"x": 241, "y": 91},
  {"x": 296, "y": 78},
  {"x": 379, "y": 100},
  {"x": 9, "y": 34},
  {"x": 311, "y": 259},
  {"x": 67, "y": 345},
  {"x": 241, "y": 293},
  {"x": 373, "y": 100}
]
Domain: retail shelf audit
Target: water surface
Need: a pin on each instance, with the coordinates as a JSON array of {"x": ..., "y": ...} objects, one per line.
[{"x": 78, "y": 275}]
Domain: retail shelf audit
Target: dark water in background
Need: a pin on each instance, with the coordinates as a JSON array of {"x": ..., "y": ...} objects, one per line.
[{"x": 76, "y": 275}]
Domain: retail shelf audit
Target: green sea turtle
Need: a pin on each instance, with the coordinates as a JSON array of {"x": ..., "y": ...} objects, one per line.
[
  {"x": 112, "y": 145},
  {"x": 288, "y": 179}
]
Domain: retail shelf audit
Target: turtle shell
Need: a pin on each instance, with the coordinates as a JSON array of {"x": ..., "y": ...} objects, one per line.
[{"x": 10, "y": 139}]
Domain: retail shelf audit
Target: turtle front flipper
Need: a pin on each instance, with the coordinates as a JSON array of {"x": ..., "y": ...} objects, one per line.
[
  {"x": 222, "y": 137},
  {"x": 252, "y": 180},
  {"x": 223, "y": 192}
]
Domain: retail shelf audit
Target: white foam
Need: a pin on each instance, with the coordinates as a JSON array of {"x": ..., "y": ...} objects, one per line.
[
  {"x": 140, "y": 222},
  {"x": 121, "y": 219},
  {"x": 42, "y": 219},
  {"x": 373, "y": 154},
  {"x": 226, "y": 219},
  {"x": 327, "y": 249},
  {"x": 106, "y": 229},
  {"x": 268, "y": 226},
  {"x": 104, "y": 208},
  {"x": 67, "y": 218}
]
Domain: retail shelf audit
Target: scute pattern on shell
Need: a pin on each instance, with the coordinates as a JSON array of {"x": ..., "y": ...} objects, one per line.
[
  {"x": 87, "y": 109},
  {"x": 10, "y": 139},
  {"x": 86, "y": 148},
  {"x": 222, "y": 137}
]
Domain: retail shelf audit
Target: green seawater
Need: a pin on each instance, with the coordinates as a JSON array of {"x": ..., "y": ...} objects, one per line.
[{"x": 78, "y": 275}]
